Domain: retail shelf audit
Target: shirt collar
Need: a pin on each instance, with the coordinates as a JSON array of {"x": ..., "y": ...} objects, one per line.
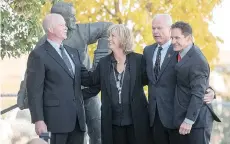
[
  {"x": 185, "y": 51},
  {"x": 54, "y": 44},
  {"x": 113, "y": 60},
  {"x": 165, "y": 46}
]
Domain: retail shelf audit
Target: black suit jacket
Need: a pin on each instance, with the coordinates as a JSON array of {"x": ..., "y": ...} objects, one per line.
[
  {"x": 139, "y": 104},
  {"x": 161, "y": 91},
  {"x": 53, "y": 94},
  {"x": 192, "y": 74}
]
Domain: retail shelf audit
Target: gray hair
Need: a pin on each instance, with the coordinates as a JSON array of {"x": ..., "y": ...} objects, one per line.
[
  {"x": 167, "y": 17},
  {"x": 125, "y": 36},
  {"x": 50, "y": 21}
]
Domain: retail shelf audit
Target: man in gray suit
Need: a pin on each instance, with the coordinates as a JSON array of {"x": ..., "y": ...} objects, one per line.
[
  {"x": 54, "y": 77},
  {"x": 161, "y": 60},
  {"x": 79, "y": 36},
  {"x": 192, "y": 116}
]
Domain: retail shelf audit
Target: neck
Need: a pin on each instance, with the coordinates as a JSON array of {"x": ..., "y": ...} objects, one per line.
[
  {"x": 54, "y": 39},
  {"x": 120, "y": 56}
]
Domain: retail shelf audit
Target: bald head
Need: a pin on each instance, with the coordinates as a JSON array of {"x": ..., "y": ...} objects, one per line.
[
  {"x": 161, "y": 28},
  {"x": 51, "y": 20},
  {"x": 37, "y": 141},
  {"x": 55, "y": 28},
  {"x": 166, "y": 18}
]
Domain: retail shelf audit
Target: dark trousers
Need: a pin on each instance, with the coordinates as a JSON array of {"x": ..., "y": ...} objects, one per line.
[
  {"x": 123, "y": 134},
  {"x": 196, "y": 136},
  {"x": 74, "y": 137},
  {"x": 161, "y": 134}
]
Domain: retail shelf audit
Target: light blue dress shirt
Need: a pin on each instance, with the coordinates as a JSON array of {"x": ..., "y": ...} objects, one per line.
[
  {"x": 57, "y": 48},
  {"x": 164, "y": 50}
]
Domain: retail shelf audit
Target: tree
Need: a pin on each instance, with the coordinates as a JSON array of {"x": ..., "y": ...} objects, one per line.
[{"x": 137, "y": 14}]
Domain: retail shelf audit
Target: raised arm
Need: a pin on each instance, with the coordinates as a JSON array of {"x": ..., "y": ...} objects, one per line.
[{"x": 96, "y": 32}]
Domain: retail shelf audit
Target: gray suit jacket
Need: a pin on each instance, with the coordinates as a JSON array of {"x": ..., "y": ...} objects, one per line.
[
  {"x": 192, "y": 74},
  {"x": 161, "y": 92},
  {"x": 53, "y": 94}
]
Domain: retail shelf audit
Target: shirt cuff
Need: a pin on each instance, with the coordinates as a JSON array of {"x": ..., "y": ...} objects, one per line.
[{"x": 188, "y": 121}]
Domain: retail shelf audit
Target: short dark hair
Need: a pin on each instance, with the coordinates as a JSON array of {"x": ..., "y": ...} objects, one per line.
[{"x": 185, "y": 28}]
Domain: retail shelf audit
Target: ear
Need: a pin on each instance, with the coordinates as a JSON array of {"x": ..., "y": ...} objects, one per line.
[
  {"x": 189, "y": 38},
  {"x": 50, "y": 30}
]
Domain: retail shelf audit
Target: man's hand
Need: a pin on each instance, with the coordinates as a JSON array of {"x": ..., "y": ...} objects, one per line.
[
  {"x": 185, "y": 128},
  {"x": 209, "y": 96},
  {"x": 40, "y": 127}
]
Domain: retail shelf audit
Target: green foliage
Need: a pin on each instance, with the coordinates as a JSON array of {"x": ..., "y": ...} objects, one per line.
[{"x": 20, "y": 27}]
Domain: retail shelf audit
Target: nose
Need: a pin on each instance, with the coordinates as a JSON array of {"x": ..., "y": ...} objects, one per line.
[
  {"x": 155, "y": 31},
  {"x": 109, "y": 38},
  {"x": 173, "y": 40}
]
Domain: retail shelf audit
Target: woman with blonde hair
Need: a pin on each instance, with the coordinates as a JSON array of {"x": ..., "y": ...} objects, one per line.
[{"x": 121, "y": 76}]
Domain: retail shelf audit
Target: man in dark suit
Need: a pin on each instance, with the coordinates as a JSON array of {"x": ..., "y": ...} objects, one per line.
[
  {"x": 161, "y": 60},
  {"x": 54, "y": 77},
  {"x": 192, "y": 116}
]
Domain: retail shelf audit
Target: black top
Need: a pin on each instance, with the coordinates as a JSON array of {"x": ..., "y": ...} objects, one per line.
[{"x": 121, "y": 109}]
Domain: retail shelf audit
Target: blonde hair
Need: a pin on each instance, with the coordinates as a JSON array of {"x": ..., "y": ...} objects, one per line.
[{"x": 125, "y": 37}]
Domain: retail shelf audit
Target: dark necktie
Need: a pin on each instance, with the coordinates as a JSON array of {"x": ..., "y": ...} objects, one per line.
[
  {"x": 66, "y": 60},
  {"x": 157, "y": 66},
  {"x": 178, "y": 57}
]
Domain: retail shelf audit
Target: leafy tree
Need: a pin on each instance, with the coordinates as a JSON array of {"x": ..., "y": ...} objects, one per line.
[{"x": 23, "y": 26}]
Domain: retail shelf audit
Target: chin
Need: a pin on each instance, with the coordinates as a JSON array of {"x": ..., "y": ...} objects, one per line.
[{"x": 176, "y": 49}]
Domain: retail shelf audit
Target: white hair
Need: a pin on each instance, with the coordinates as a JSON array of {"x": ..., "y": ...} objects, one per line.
[
  {"x": 51, "y": 20},
  {"x": 167, "y": 17}
]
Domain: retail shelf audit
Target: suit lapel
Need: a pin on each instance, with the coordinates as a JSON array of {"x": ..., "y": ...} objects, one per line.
[
  {"x": 133, "y": 70},
  {"x": 168, "y": 57},
  {"x": 71, "y": 54},
  {"x": 185, "y": 58},
  {"x": 151, "y": 53},
  {"x": 53, "y": 53},
  {"x": 73, "y": 58},
  {"x": 107, "y": 72}
]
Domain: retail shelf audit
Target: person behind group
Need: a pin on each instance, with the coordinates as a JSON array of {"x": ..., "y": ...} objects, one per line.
[{"x": 121, "y": 76}]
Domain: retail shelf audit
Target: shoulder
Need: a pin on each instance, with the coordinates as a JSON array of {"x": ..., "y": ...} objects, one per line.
[
  {"x": 135, "y": 55},
  {"x": 39, "y": 50},
  {"x": 149, "y": 47},
  {"x": 105, "y": 59},
  {"x": 198, "y": 55}
]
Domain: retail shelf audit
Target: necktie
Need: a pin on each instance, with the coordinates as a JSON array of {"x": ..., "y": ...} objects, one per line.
[
  {"x": 178, "y": 57},
  {"x": 66, "y": 60},
  {"x": 157, "y": 66}
]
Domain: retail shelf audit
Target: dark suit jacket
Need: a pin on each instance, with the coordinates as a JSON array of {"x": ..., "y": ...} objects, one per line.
[
  {"x": 139, "y": 105},
  {"x": 53, "y": 95},
  {"x": 192, "y": 74},
  {"x": 161, "y": 91}
]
